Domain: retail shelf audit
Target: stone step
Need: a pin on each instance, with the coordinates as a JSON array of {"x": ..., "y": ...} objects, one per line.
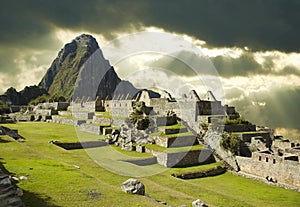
[
  {"x": 170, "y": 130},
  {"x": 174, "y": 140}
]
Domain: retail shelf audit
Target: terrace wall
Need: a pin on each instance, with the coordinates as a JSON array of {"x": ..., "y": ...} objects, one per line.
[{"x": 263, "y": 165}]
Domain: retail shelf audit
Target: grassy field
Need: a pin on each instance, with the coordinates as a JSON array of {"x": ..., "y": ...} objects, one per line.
[{"x": 53, "y": 181}]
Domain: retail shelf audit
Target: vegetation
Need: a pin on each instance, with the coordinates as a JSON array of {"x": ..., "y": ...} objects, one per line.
[
  {"x": 204, "y": 126},
  {"x": 231, "y": 143},
  {"x": 47, "y": 98},
  {"x": 199, "y": 168},
  {"x": 54, "y": 181},
  {"x": 236, "y": 121},
  {"x": 138, "y": 117},
  {"x": 4, "y": 108},
  {"x": 174, "y": 149},
  {"x": 41, "y": 99},
  {"x": 183, "y": 134},
  {"x": 175, "y": 126}
]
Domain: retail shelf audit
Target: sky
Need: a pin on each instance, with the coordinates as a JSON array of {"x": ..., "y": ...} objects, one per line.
[{"x": 253, "y": 45}]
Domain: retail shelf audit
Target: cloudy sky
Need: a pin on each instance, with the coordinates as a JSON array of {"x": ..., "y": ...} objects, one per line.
[{"x": 254, "y": 45}]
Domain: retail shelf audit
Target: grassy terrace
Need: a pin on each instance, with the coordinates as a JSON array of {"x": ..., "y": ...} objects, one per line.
[
  {"x": 103, "y": 114},
  {"x": 175, "y": 149},
  {"x": 251, "y": 132},
  {"x": 54, "y": 181},
  {"x": 192, "y": 169},
  {"x": 175, "y": 126},
  {"x": 184, "y": 134}
]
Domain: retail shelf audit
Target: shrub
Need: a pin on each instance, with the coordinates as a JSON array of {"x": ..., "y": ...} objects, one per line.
[
  {"x": 231, "y": 143},
  {"x": 4, "y": 108}
]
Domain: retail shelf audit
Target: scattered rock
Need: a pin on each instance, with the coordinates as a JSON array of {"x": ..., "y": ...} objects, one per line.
[
  {"x": 23, "y": 177},
  {"x": 93, "y": 194},
  {"x": 198, "y": 203},
  {"x": 9, "y": 194},
  {"x": 133, "y": 186},
  {"x": 14, "y": 178},
  {"x": 76, "y": 166},
  {"x": 19, "y": 192}
]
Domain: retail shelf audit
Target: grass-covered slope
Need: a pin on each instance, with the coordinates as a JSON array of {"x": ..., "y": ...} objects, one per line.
[{"x": 54, "y": 181}]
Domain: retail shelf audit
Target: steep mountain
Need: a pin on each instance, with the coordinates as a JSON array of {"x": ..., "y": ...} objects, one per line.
[
  {"x": 80, "y": 70},
  {"x": 63, "y": 72},
  {"x": 12, "y": 96}
]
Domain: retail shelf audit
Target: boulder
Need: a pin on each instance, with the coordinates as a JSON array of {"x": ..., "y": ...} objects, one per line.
[
  {"x": 133, "y": 186},
  {"x": 198, "y": 203}
]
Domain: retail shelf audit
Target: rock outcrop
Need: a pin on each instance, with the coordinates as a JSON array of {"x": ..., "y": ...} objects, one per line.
[
  {"x": 133, "y": 186},
  {"x": 63, "y": 72},
  {"x": 80, "y": 70},
  {"x": 8, "y": 193},
  {"x": 10, "y": 132}
]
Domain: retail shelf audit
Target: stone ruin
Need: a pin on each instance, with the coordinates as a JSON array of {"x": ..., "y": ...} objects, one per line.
[{"x": 130, "y": 123}]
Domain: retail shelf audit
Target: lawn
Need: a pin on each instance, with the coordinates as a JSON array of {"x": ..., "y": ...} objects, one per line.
[{"x": 54, "y": 181}]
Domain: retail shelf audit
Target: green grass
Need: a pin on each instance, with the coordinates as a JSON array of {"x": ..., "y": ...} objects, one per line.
[
  {"x": 193, "y": 169},
  {"x": 132, "y": 153},
  {"x": 175, "y": 126},
  {"x": 103, "y": 114},
  {"x": 183, "y": 134},
  {"x": 174, "y": 149},
  {"x": 111, "y": 127},
  {"x": 54, "y": 181},
  {"x": 251, "y": 132}
]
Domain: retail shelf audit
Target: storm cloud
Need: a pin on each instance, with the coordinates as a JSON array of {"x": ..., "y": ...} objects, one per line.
[
  {"x": 263, "y": 25},
  {"x": 266, "y": 32}
]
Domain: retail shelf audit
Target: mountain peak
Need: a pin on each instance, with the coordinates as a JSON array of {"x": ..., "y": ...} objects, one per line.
[{"x": 62, "y": 74}]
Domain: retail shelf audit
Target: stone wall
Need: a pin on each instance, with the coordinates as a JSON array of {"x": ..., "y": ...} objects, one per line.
[
  {"x": 285, "y": 144},
  {"x": 90, "y": 128},
  {"x": 118, "y": 121},
  {"x": 23, "y": 117},
  {"x": 64, "y": 113},
  {"x": 212, "y": 138},
  {"x": 46, "y": 112},
  {"x": 248, "y": 136},
  {"x": 119, "y": 107},
  {"x": 172, "y": 130},
  {"x": 239, "y": 128},
  {"x": 102, "y": 120},
  {"x": 210, "y": 107},
  {"x": 162, "y": 105},
  {"x": 80, "y": 145},
  {"x": 64, "y": 120},
  {"x": 176, "y": 141},
  {"x": 83, "y": 115},
  {"x": 182, "y": 159},
  {"x": 87, "y": 106},
  {"x": 59, "y": 106},
  {"x": 264, "y": 165},
  {"x": 165, "y": 120}
]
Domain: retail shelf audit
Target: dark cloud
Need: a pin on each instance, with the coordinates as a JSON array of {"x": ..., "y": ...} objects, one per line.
[
  {"x": 259, "y": 24},
  {"x": 241, "y": 66},
  {"x": 184, "y": 63},
  {"x": 289, "y": 70},
  {"x": 270, "y": 24}
]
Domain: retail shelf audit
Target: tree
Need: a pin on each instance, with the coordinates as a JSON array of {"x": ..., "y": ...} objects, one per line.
[
  {"x": 231, "y": 143},
  {"x": 41, "y": 99},
  {"x": 4, "y": 108}
]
